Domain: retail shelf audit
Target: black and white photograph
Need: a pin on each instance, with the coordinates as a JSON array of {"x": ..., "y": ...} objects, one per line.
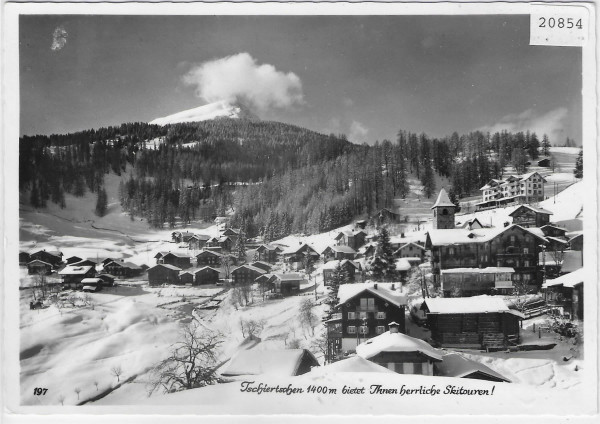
[{"x": 312, "y": 209}]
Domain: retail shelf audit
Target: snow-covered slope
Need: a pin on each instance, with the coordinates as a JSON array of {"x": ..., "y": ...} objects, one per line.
[{"x": 220, "y": 109}]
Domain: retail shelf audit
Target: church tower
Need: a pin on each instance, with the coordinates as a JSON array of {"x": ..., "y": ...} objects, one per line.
[{"x": 443, "y": 212}]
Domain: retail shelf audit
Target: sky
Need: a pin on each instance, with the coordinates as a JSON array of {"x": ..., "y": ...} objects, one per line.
[{"x": 363, "y": 76}]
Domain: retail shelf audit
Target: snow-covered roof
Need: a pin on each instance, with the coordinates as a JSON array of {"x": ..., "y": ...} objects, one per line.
[
  {"x": 250, "y": 267},
  {"x": 36, "y": 261},
  {"x": 533, "y": 208},
  {"x": 456, "y": 365},
  {"x": 290, "y": 276},
  {"x": 410, "y": 244},
  {"x": 200, "y": 237},
  {"x": 204, "y": 268},
  {"x": 92, "y": 281},
  {"x": 396, "y": 342},
  {"x": 352, "y": 364},
  {"x": 443, "y": 200},
  {"x": 403, "y": 264},
  {"x": 74, "y": 270},
  {"x": 171, "y": 267},
  {"x": 525, "y": 177},
  {"x": 284, "y": 362},
  {"x": 383, "y": 290},
  {"x": 296, "y": 249},
  {"x": 466, "y": 305},
  {"x": 558, "y": 240},
  {"x": 341, "y": 249},
  {"x": 212, "y": 252},
  {"x": 129, "y": 265},
  {"x": 334, "y": 264},
  {"x": 479, "y": 235},
  {"x": 568, "y": 280},
  {"x": 488, "y": 270}
]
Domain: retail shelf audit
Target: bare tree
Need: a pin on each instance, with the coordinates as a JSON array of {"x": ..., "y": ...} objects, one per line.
[
  {"x": 77, "y": 390},
  {"x": 61, "y": 399},
  {"x": 252, "y": 327},
  {"x": 40, "y": 286},
  {"x": 117, "y": 371},
  {"x": 96, "y": 384},
  {"x": 307, "y": 316},
  {"x": 319, "y": 345},
  {"x": 192, "y": 362},
  {"x": 226, "y": 264}
]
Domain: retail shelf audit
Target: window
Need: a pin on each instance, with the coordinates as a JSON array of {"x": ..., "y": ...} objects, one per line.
[
  {"x": 351, "y": 329},
  {"x": 526, "y": 264},
  {"x": 380, "y": 329},
  {"x": 362, "y": 315},
  {"x": 451, "y": 251},
  {"x": 380, "y": 315},
  {"x": 526, "y": 277},
  {"x": 367, "y": 303},
  {"x": 444, "y": 211},
  {"x": 351, "y": 315},
  {"x": 363, "y": 329},
  {"x": 512, "y": 239}
]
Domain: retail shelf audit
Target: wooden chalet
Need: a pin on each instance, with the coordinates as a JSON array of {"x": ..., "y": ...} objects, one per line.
[
  {"x": 246, "y": 274},
  {"x": 176, "y": 259},
  {"x": 361, "y": 224},
  {"x": 181, "y": 236},
  {"x": 479, "y": 322},
  {"x": 576, "y": 241},
  {"x": 206, "y": 275},
  {"x": 566, "y": 292},
  {"x": 123, "y": 269},
  {"x": 353, "y": 239},
  {"x": 296, "y": 254},
  {"x": 24, "y": 258},
  {"x": 73, "y": 274},
  {"x": 339, "y": 253},
  {"x": 107, "y": 279},
  {"x": 86, "y": 262},
  {"x": 530, "y": 216},
  {"x": 400, "y": 353},
  {"x": 54, "y": 257},
  {"x": 208, "y": 257},
  {"x": 232, "y": 233},
  {"x": 163, "y": 274},
  {"x": 352, "y": 271},
  {"x": 226, "y": 243},
  {"x": 281, "y": 363},
  {"x": 73, "y": 260},
  {"x": 410, "y": 250},
  {"x": 91, "y": 284},
  {"x": 39, "y": 267},
  {"x": 364, "y": 311},
  {"x": 287, "y": 284},
  {"x": 198, "y": 241},
  {"x": 386, "y": 216},
  {"x": 458, "y": 366},
  {"x": 268, "y": 252},
  {"x": 186, "y": 277}
]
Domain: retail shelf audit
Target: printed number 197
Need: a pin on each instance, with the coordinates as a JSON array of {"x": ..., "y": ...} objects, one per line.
[
  {"x": 38, "y": 391},
  {"x": 559, "y": 23}
]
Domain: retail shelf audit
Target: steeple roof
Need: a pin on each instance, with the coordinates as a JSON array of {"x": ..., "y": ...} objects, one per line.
[{"x": 443, "y": 200}]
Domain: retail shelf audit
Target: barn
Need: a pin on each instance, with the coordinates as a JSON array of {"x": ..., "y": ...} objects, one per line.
[
  {"x": 206, "y": 275},
  {"x": 478, "y": 322},
  {"x": 163, "y": 274}
]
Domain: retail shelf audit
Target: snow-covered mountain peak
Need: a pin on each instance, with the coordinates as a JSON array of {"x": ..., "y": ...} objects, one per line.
[{"x": 219, "y": 109}]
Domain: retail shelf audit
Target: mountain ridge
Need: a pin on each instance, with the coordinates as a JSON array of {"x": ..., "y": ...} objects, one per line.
[{"x": 215, "y": 110}]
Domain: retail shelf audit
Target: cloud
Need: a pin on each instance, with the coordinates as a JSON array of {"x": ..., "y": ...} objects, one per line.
[
  {"x": 551, "y": 123},
  {"x": 358, "y": 132},
  {"x": 347, "y": 101},
  {"x": 59, "y": 38},
  {"x": 334, "y": 126},
  {"x": 239, "y": 77}
]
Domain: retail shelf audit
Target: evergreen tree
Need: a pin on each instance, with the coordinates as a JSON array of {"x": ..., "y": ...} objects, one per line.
[
  {"x": 240, "y": 247},
  {"x": 383, "y": 265},
  {"x": 337, "y": 279},
  {"x": 34, "y": 197},
  {"x": 578, "y": 171},
  {"x": 546, "y": 145},
  {"x": 101, "y": 202}
]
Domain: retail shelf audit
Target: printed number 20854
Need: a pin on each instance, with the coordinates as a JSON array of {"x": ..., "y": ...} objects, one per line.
[
  {"x": 567, "y": 23},
  {"x": 38, "y": 391}
]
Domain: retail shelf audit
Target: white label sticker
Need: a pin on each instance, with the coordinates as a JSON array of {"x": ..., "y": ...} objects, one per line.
[{"x": 553, "y": 25}]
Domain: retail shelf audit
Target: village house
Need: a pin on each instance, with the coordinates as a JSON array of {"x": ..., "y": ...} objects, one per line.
[
  {"x": 268, "y": 252},
  {"x": 123, "y": 269},
  {"x": 400, "y": 353},
  {"x": 281, "y": 362},
  {"x": 353, "y": 239},
  {"x": 456, "y": 365},
  {"x": 208, "y": 257},
  {"x": 91, "y": 284},
  {"x": 464, "y": 282},
  {"x": 352, "y": 271},
  {"x": 38, "y": 267},
  {"x": 576, "y": 241},
  {"x": 197, "y": 241},
  {"x": 410, "y": 250},
  {"x": 287, "y": 284},
  {"x": 206, "y": 275},
  {"x": 364, "y": 311},
  {"x": 530, "y": 216},
  {"x": 361, "y": 224},
  {"x": 54, "y": 258},
  {"x": 24, "y": 258},
  {"x": 163, "y": 274},
  {"x": 108, "y": 280},
  {"x": 232, "y": 233},
  {"x": 478, "y": 322},
  {"x": 176, "y": 259},
  {"x": 246, "y": 274},
  {"x": 403, "y": 267},
  {"x": 338, "y": 253},
  {"x": 186, "y": 277},
  {"x": 73, "y": 259},
  {"x": 295, "y": 255},
  {"x": 566, "y": 292},
  {"x": 226, "y": 243},
  {"x": 73, "y": 274},
  {"x": 181, "y": 236},
  {"x": 85, "y": 262},
  {"x": 386, "y": 216}
]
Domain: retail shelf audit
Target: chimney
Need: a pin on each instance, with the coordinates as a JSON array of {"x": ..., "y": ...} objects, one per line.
[
  {"x": 375, "y": 286},
  {"x": 401, "y": 235},
  {"x": 393, "y": 287},
  {"x": 393, "y": 327}
]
